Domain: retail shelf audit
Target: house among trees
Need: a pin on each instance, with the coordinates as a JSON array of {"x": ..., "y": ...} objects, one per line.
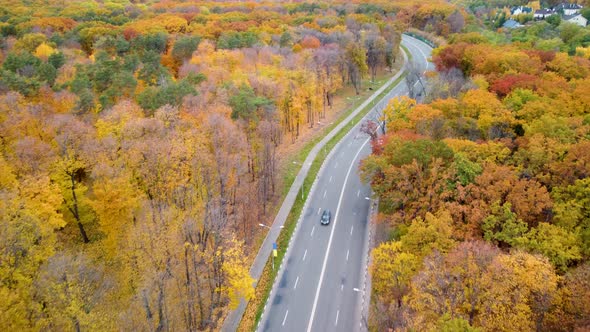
[
  {"x": 520, "y": 10},
  {"x": 511, "y": 24},
  {"x": 568, "y": 8},
  {"x": 541, "y": 14},
  {"x": 576, "y": 19},
  {"x": 570, "y": 12}
]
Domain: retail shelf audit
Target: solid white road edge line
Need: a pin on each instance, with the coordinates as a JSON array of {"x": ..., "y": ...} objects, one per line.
[
  {"x": 392, "y": 93},
  {"x": 317, "y": 293},
  {"x": 420, "y": 50}
]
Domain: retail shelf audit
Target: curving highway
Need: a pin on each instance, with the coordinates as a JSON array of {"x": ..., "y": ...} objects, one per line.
[{"x": 321, "y": 285}]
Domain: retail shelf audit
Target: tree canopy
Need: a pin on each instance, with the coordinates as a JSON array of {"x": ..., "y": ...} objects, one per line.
[{"x": 485, "y": 180}]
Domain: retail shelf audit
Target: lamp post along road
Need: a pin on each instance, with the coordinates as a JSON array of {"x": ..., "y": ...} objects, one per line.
[
  {"x": 274, "y": 254},
  {"x": 329, "y": 291},
  {"x": 288, "y": 307},
  {"x": 302, "y": 189},
  {"x": 274, "y": 245},
  {"x": 303, "y": 182}
]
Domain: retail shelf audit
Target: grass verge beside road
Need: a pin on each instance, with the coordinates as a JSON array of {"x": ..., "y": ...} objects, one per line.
[
  {"x": 256, "y": 305},
  {"x": 294, "y": 161},
  {"x": 407, "y": 52}
]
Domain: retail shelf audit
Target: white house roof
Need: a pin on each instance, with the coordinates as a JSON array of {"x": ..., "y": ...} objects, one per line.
[
  {"x": 569, "y": 17},
  {"x": 544, "y": 11},
  {"x": 511, "y": 24},
  {"x": 568, "y": 6},
  {"x": 523, "y": 9}
]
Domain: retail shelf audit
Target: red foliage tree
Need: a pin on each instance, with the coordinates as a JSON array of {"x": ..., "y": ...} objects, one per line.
[
  {"x": 130, "y": 33},
  {"x": 450, "y": 57},
  {"x": 310, "y": 42},
  {"x": 544, "y": 56},
  {"x": 504, "y": 85}
]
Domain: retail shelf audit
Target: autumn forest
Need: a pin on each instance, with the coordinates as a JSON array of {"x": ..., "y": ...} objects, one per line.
[
  {"x": 484, "y": 188},
  {"x": 143, "y": 142},
  {"x": 141, "y": 145}
]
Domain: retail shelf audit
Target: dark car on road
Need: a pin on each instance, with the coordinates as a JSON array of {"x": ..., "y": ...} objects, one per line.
[{"x": 326, "y": 216}]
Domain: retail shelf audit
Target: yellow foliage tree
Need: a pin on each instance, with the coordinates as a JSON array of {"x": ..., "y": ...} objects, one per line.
[
  {"x": 7, "y": 177},
  {"x": 583, "y": 52},
  {"x": 392, "y": 271},
  {"x": 487, "y": 109},
  {"x": 520, "y": 289},
  {"x": 44, "y": 199},
  {"x": 240, "y": 284},
  {"x": 115, "y": 200},
  {"x": 431, "y": 233},
  {"x": 28, "y": 221},
  {"x": 396, "y": 113},
  {"x": 30, "y": 41}
]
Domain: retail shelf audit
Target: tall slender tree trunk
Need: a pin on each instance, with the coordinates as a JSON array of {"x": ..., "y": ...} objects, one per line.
[
  {"x": 161, "y": 318},
  {"x": 75, "y": 211},
  {"x": 189, "y": 293},
  {"x": 324, "y": 102},
  {"x": 201, "y": 324},
  {"x": 146, "y": 306}
]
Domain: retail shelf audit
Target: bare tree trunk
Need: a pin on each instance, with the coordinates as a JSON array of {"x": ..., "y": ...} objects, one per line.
[
  {"x": 146, "y": 305},
  {"x": 67, "y": 294},
  {"x": 162, "y": 325},
  {"x": 201, "y": 324},
  {"x": 75, "y": 210},
  {"x": 413, "y": 77},
  {"x": 324, "y": 102},
  {"x": 190, "y": 320}
]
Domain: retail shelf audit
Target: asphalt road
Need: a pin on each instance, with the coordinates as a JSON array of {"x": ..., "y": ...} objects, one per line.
[{"x": 316, "y": 291}]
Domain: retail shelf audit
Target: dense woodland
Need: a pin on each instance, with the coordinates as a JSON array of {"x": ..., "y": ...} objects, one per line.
[
  {"x": 140, "y": 143},
  {"x": 485, "y": 190}
]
